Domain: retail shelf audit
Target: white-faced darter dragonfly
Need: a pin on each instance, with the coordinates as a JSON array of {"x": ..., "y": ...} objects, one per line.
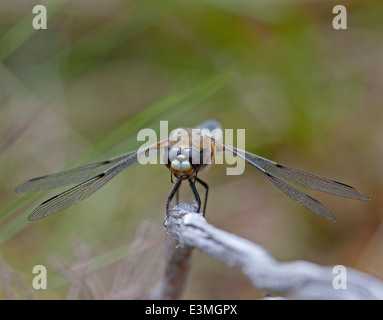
[{"x": 179, "y": 159}]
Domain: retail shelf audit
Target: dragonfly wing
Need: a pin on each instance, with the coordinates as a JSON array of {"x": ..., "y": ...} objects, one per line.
[
  {"x": 302, "y": 198},
  {"x": 306, "y": 179},
  {"x": 71, "y": 176},
  {"x": 83, "y": 190}
]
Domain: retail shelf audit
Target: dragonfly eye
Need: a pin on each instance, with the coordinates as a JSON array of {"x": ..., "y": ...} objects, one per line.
[
  {"x": 173, "y": 153},
  {"x": 193, "y": 155},
  {"x": 180, "y": 163}
]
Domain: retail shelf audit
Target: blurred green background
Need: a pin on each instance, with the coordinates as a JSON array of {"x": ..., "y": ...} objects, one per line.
[{"x": 308, "y": 96}]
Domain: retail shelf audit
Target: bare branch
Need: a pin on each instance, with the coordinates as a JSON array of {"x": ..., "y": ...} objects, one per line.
[
  {"x": 172, "y": 282},
  {"x": 296, "y": 280}
]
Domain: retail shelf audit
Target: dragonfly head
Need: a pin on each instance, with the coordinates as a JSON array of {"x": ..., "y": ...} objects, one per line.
[{"x": 183, "y": 162}]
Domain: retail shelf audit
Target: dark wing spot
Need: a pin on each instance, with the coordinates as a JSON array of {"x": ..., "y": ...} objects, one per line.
[
  {"x": 38, "y": 178},
  {"x": 49, "y": 199},
  {"x": 313, "y": 199},
  {"x": 343, "y": 184},
  {"x": 269, "y": 175}
]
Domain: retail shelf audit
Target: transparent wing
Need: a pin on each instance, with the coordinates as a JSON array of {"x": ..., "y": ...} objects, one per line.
[
  {"x": 305, "y": 179},
  {"x": 83, "y": 190},
  {"x": 71, "y": 176},
  {"x": 302, "y": 198}
]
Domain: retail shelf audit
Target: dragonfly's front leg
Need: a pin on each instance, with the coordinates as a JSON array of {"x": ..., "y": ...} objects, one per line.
[
  {"x": 205, "y": 185},
  {"x": 171, "y": 196},
  {"x": 197, "y": 197}
]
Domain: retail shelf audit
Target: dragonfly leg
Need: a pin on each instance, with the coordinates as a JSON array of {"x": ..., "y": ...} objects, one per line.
[
  {"x": 174, "y": 191},
  {"x": 178, "y": 196},
  {"x": 205, "y": 185},
  {"x": 197, "y": 197},
  {"x": 171, "y": 177}
]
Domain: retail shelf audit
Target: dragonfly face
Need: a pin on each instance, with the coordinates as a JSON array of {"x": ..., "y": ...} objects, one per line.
[
  {"x": 184, "y": 157},
  {"x": 180, "y": 162}
]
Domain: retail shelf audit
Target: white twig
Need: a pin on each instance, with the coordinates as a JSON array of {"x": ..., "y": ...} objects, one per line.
[
  {"x": 295, "y": 280},
  {"x": 172, "y": 282}
]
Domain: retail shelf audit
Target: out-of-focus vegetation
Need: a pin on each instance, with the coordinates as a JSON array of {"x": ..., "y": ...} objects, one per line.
[{"x": 308, "y": 96}]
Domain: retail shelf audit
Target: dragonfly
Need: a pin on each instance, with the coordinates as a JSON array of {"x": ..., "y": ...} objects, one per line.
[{"x": 185, "y": 159}]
